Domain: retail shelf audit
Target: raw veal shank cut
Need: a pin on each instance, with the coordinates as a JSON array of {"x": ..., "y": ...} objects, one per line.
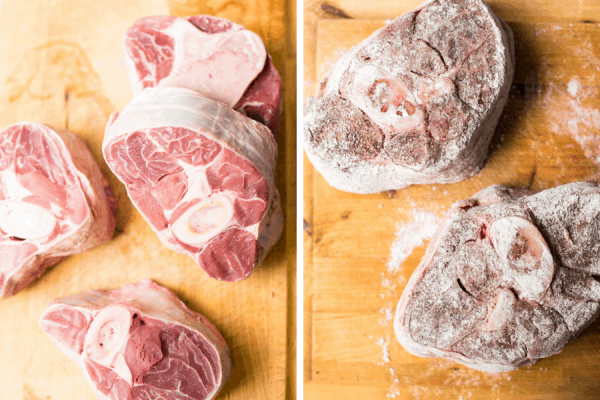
[
  {"x": 201, "y": 174},
  {"x": 215, "y": 57},
  {"x": 417, "y": 102},
  {"x": 139, "y": 342},
  {"x": 509, "y": 277},
  {"x": 54, "y": 202}
]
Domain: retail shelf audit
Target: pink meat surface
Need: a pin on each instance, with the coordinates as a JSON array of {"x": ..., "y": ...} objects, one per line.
[
  {"x": 417, "y": 102},
  {"x": 139, "y": 342},
  {"x": 215, "y": 57},
  {"x": 510, "y": 277},
  {"x": 202, "y": 175},
  {"x": 54, "y": 202}
]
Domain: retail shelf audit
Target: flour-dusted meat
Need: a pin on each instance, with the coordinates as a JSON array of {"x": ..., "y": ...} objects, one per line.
[
  {"x": 139, "y": 342},
  {"x": 54, "y": 202},
  {"x": 509, "y": 277},
  {"x": 201, "y": 174},
  {"x": 417, "y": 102},
  {"x": 215, "y": 57}
]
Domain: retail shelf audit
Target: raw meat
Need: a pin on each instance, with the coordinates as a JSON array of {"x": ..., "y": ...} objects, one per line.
[
  {"x": 54, "y": 202},
  {"x": 139, "y": 342},
  {"x": 201, "y": 174},
  {"x": 417, "y": 102},
  {"x": 215, "y": 57},
  {"x": 509, "y": 277}
]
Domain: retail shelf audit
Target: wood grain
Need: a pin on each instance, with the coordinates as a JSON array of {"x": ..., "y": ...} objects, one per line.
[
  {"x": 62, "y": 65},
  {"x": 546, "y": 137}
]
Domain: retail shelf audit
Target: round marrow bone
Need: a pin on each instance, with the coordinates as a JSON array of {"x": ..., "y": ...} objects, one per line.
[
  {"x": 207, "y": 218},
  {"x": 531, "y": 267},
  {"x": 385, "y": 99},
  {"x": 107, "y": 335},
  {"x": 203, "y": 220}
]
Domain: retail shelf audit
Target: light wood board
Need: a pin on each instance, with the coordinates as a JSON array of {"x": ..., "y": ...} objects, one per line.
[
  {"x": 547, "y": 136},
  {"x": 61, "y": 64}
]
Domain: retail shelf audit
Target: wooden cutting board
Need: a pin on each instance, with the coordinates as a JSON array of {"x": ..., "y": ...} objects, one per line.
[
  {"x": 549, "y": 135},
  {"x": 62, "y": 65}
]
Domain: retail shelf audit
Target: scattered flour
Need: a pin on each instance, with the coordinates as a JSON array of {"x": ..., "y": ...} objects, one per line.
[
  {"x": 574, "y": 87},
  {"x": 386, "y": 283},
  {"x": 410, "y": 235},
  {"x": 388, "y": 313},
  {"x": 394, "y": 391},
  {"x": 569, "y": 116},
  {"x": 384, "y": 343}
]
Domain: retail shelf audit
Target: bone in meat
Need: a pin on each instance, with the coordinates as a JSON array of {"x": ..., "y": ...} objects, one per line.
[{"x": 509, "y": 277}]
